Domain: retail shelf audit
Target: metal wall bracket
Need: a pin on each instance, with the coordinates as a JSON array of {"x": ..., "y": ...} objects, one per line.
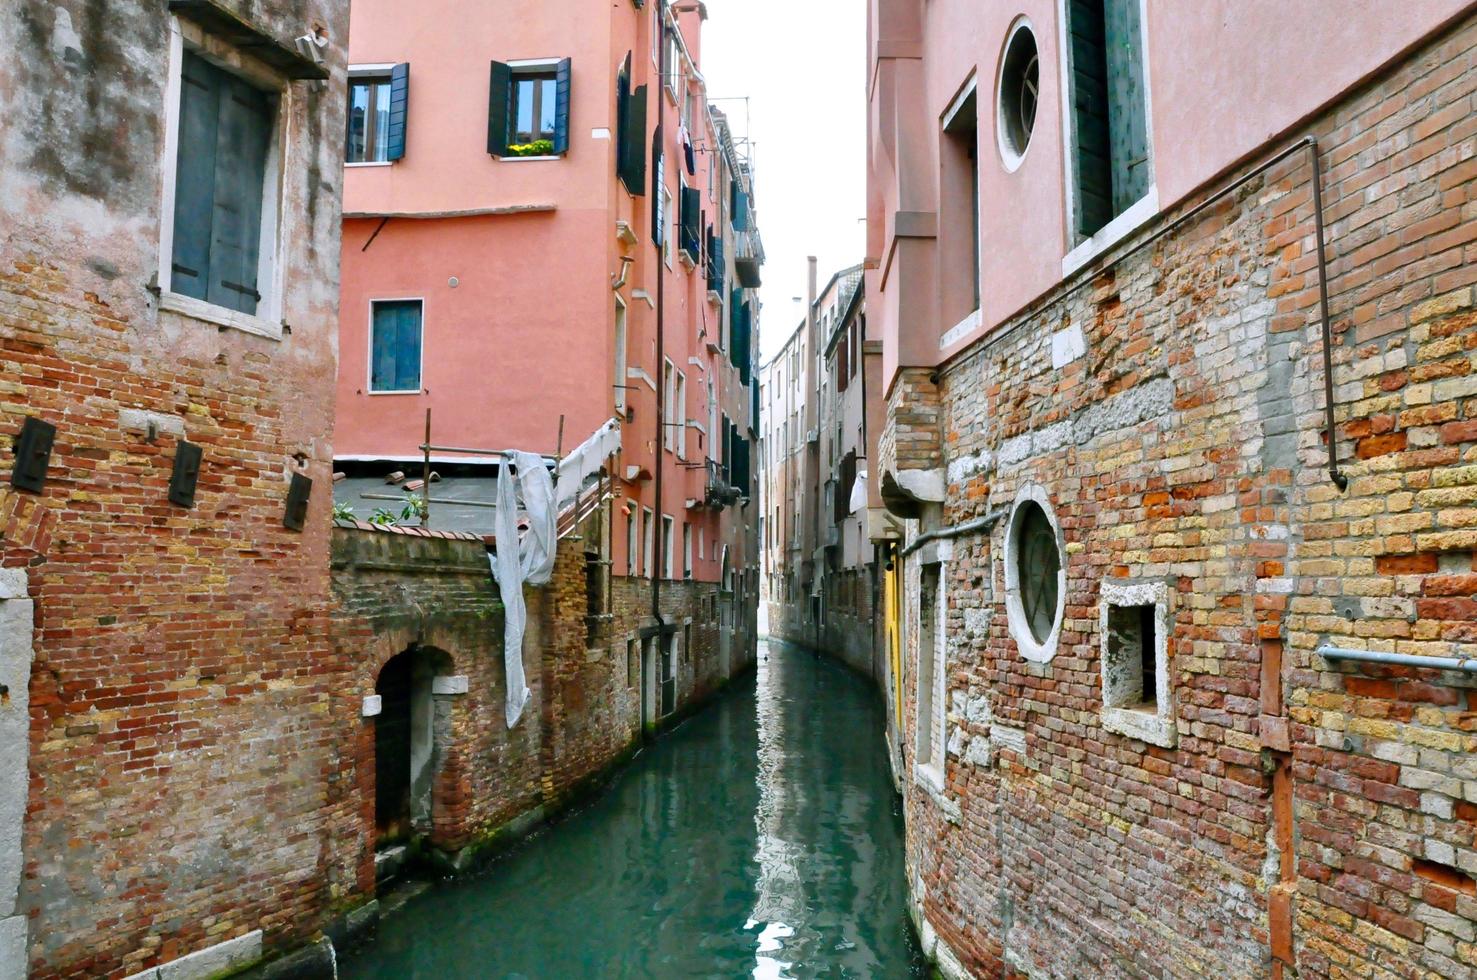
[
  {"x": 298, "y": 493},
  {"x": 32, "y": 455},
  {"x": 182, "y": 481}
]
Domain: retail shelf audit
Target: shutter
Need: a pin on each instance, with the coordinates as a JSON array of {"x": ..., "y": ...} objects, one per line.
[
  {"x": 746, "y": 334},
  {"x": 243, "y": 134},
  {"x": 1090, "y": 115},
  {"x": 739, "y": 207},
  {"x": 194, "y": 187},
  {"x": 408, "y": 348},
  {"x": 633, "y": 174},
  {"x": 399, "y": 109},
  {"x": 384, "y": 332},
  {"x": 1128, "y": 134},
  {"x": 499, "y": 91},
  {"x": 561, "y": 107},
  {"x": 692, "y": 206},
  {"x": 622, "y": 117},
  {"x": 735, "y": 317}
]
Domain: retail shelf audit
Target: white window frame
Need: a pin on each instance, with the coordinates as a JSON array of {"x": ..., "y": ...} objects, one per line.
[
  {"x": 930, "y": 717},
  {"x": 1020, "y": 630},
  {"x": 267, "y": 321},
  {"x": 1009, "y": 158},
  {"x": 669, "y": 396},
  {"x": 369, "y": 388},
  {"x": 633, "y": 540},
  {"x": 669, "y": 533},
  {"x": 669, "y": 213},
  {"x": 370, "y": 71},
  {"x": 1136, "y": 214},
  {"x": 648, "y": 535},
  {"x": 686, "y": 550},
  {"x": 621, "y": 328},
  {"x": 1156, "y": 727},
  {"x": 680, "y": 401}
]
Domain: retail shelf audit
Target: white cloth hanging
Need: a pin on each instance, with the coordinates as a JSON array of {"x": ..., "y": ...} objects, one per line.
[
  {"x": 585, "y": 461},
  {"x": 529, "y": 559},
  {"x": 859, "y": 491}
]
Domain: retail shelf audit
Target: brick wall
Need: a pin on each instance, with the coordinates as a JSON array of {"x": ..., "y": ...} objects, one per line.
[{"x": 1303, "y": 815}]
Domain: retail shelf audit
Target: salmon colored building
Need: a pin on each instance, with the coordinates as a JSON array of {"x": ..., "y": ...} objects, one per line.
[{"x": 537, "y": 224}]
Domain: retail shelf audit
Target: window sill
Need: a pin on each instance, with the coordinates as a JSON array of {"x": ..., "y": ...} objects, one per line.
[
  {"x": 688, "y": 260},
  {"x": 1138, "y": 213},
  {"x": 556, "y": 156},
  {"x": 407, "y": 391},
  {"x": 368, "y": 163},
  {"x": 199, "y": 309},
  {"x": 931, "y": 781},
  {"x": 1146, "y": 726}
]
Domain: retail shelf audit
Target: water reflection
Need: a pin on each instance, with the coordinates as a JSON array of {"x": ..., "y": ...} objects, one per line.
[{"x": 759, "y": 839}]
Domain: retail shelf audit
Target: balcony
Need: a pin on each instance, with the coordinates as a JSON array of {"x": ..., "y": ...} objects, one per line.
[{"x": 748, "y": 256}]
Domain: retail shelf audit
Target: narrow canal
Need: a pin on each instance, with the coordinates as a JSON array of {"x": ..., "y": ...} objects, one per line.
[{"x": 759, "y": 839}]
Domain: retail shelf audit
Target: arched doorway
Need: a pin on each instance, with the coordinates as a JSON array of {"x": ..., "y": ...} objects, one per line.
[{"x": 405, "y": 751}]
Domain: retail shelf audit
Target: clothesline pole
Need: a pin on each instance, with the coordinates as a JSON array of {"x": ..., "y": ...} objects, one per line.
[
  {"x": 426, "y": 475},
  {"x": 558, "y": 446}
]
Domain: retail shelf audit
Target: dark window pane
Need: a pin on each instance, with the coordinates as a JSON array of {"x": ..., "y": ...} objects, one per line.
[
  {"x": 523, "y": 120},
  {"x": 548, "y": 107},
  {"x": 1038, "y": 566}
]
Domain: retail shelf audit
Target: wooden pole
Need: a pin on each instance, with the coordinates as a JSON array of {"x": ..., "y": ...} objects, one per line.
[{"x": 426, "y": 476}]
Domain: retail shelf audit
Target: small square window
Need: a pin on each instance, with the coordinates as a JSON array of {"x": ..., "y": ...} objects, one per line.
[
  {"x": 369, "y": 120},
  {"x": 1134, "y": 647},
  {"x": 535, "y": 108}
]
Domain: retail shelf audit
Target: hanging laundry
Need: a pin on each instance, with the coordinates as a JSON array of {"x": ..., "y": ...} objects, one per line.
[
  {"x": 685, "y": 138},
  {"x": 529, "y": 559}
]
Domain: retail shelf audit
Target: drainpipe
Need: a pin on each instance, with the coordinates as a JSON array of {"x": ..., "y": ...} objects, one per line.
[
  {"x": 1464, "y": 664},
  {"x": 659, "y": 566}
]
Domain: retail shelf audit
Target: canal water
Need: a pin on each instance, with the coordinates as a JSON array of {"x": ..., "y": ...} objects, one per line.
[{"x": 759, "y": 839}]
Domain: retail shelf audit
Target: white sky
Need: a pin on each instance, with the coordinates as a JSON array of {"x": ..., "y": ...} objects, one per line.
[{"x": 802, "y": 63}]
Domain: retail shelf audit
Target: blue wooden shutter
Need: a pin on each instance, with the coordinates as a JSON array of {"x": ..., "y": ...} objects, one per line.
[
  {"x": 739, "y": 208},
  {"x": 1093, "y": 163},
  {"x": 408, "y": 348},
  {"x": 692, "y": 207},
  {"x": 561, "y": 107},
  {"x": 384, "y": 333},
  {"x": 399, "y": 111},
  {"x": 194, "y": 189},
  {"x": 243, "y": 135},
  {"x": 499, "y": 92}
]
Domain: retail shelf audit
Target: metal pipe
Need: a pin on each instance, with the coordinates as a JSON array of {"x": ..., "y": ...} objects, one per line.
[
  {"x": 1340, "y": 481},
  {"x": 659, "y": 565},
  {"x": 958, "y": 530},
  {"x": 435, "y": 500},
  {"x": 426, "y": 475},
  {"x": 1465, "y": 664}
]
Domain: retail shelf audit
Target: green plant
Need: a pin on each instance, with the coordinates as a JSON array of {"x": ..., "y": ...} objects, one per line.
[
  {"x": 414, "y": 510},
  {"x": 538, "y": 148},
  {"x": 342, "y": 511},
  {"x": 382, "y": 516}
]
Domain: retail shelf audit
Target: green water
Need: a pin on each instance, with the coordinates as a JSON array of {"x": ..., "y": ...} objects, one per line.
[{"x": 760, "y": 839}]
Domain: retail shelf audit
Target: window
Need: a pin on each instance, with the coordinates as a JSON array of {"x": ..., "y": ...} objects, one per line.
[
  {"x": 929, "y": 756},
  {"x": 378, "y": 101},
  {"x": 633, "y": 543},
  {"x": 395, "y": 346},
  {"x": 1133, "y": 627},
  {"x": 620, "y": 356},
  {"x": 668, "y": 211},
  {"x": 648, "y": 542},
  {"x": 222, "y": 251},
  {"x": 699, "y": 544},
  {"x": 528, "y": 109},
  {"x": 669, "y": 401},
  {"x": 1110, "y": 137},
  {"x": 686, "y": 550},
  {"x": 1035, "y": 581},
  {"x": 630, "y": 125},
  {"x": 633, "y": 662},
  {"x": 959, "y": 209},
  {"x": 667, "y": 528},
  {"x": 679, "y": 414},
  {"x": 1019, "y": 87}
]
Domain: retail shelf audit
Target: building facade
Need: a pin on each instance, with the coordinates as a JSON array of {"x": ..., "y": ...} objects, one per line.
[
  {"x": 168, "y": 304},
  {"x": 1177, "y": 316},
  {"x": 546, "y": 232},
  {"x": 822, "y": 585}
]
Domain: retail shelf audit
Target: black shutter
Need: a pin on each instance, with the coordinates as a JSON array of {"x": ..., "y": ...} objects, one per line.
[
  {"x": 1128, "y": 134},
  {"x": 633, "y": 160},
  {"x": 735, "y": 317},
  {"x": 561, "y": 107},
  {"x": 622, "y": 116},
  {"x": 692, "y": 208},
  {"x": 745, "y": 333},
  {"x": 194, "y": 187},
  {"x": 399, "y": 108},
  {"x": 1090, "y": 115},
  {"x": 499, "y": 92},
  {"x": 243, "y": 135}
]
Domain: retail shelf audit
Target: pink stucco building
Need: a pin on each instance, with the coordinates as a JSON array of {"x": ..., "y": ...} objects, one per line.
[
  {"x": 523, "y": 240},
  {"x": 1177, "y": 321}
]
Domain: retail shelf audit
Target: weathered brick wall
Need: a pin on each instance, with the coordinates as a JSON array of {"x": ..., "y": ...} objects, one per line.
[
  {"x": 1185, "y": 447},
  {"x": 180, "y": 692},
  {"x": 849, "y": 630}
]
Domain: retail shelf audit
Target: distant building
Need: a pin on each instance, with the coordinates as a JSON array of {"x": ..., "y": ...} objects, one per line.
[
  {"x": 543, "y": 226},
  {"x": 1178, "y": 331}
]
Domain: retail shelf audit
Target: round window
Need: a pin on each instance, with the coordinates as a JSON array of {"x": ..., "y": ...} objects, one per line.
[
  {"x": 1038, "y": 568},
  {"x": 1020, "y": 83},
  {"x": 1035, "y": 581}
]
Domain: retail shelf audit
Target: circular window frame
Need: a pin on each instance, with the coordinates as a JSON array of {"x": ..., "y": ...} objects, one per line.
[
  {"x": 1010, "y": 157},
  {"x": 1036, "y": 651}
]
